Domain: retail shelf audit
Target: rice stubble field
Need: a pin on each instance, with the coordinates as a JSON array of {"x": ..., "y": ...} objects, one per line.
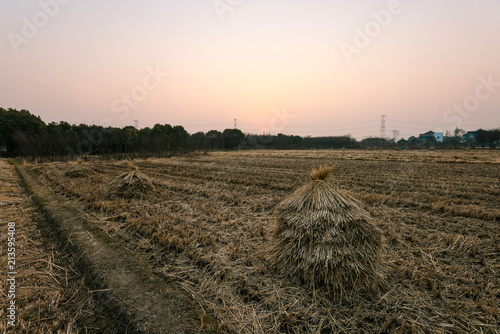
[{"x": 208, "y": 221}]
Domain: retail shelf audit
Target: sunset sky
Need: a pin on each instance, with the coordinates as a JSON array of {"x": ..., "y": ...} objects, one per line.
[{"x": 317, "y": 67}]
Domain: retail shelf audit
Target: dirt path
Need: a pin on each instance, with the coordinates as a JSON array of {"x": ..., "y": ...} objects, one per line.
[
  {"x": 105, "y": 288},
  {"x": 125, "y": 286},
  {"x": 41, "y": 285}
]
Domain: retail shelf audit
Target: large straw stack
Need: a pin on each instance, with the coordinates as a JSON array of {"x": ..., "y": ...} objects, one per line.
[
  {"x": 326, "y": 239},
  {"x": 130, "y": 185}
]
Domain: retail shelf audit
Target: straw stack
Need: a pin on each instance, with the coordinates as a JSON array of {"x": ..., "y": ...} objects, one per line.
[
  {"x": 325, "y": 238},
  {"x": 78, "y": 171},
  {"x": 130, "y": 185}
]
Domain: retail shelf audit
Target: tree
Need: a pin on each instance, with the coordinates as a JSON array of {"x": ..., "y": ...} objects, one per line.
[
  {"x": 402, "y": 143},
  {"x": 180, "y": 137},
  {"x": 215, "y": 139},
  {"x": 493, "y": 137},
  {"x": 377, "y": 142},
  {"x": 482, "y": 137},
  {"x": 13, "y": 122},
  {"x": 458, "y": 137},
  {"x": 198, "y": 141},
  {"x": 454, "y": 140},
  {"x": 232, "y": 138},
  {"x": 414, "y": 142},
  {"x": 162, "y": 137}
]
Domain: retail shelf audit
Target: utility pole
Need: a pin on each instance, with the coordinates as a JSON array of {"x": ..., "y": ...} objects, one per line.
[{"x": 382, "y": 126}]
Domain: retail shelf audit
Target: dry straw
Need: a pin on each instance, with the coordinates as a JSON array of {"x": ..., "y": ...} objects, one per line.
[
  {"x": 130, "y": 185},
  {"x": 78, "y": 171},
  {"x": 325, "y": 238}
]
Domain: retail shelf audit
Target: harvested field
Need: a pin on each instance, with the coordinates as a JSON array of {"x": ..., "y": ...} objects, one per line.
[
  {"x": 50, "y": 296},
  {"x": 207, "y": 225}
]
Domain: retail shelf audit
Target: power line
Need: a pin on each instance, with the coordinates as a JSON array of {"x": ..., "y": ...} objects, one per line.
[
  {"x": 213, "y": 124},
  {"x": 316, "y": 126},
  {"x": 332, "y": 130},
  {"x": 412, "y": 122}
]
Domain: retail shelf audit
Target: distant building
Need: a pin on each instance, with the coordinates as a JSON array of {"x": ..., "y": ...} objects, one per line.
[
  {"x": 471, "y": 136},
  {"x": 3, "y": 148},
  {"x": 432, "y": 136}
]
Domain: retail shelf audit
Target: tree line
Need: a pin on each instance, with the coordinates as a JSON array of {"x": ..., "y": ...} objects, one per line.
[{"x": 24, "y": 134}]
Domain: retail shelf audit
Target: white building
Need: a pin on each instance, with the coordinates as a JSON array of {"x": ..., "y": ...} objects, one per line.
[{"x": 437, "y": 136}]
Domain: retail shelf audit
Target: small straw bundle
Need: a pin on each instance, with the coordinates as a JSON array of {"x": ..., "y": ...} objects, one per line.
[
  {"x": 130, "y": 185},
  {"x": 78, "y": 171},
  {"x": 326, "y": 239}
]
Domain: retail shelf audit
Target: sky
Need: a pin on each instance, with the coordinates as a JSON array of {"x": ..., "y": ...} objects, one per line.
[{"x": 309, "y": 68}]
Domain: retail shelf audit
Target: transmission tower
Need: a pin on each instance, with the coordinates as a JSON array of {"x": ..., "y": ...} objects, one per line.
[
  {"x": 136, "y": 124},
  {"x": 382, "y": 126},
  {"x": 395, "y": 135},
  {"x": 235, "y": 123}
]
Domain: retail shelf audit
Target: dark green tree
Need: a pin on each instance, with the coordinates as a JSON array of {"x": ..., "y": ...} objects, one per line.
[
  {"x": 233, "y": 138},
  {"x": 198, "y": 141},
  {"x": 20, "y": 128},
  {"x": 215, "y": 140}
]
